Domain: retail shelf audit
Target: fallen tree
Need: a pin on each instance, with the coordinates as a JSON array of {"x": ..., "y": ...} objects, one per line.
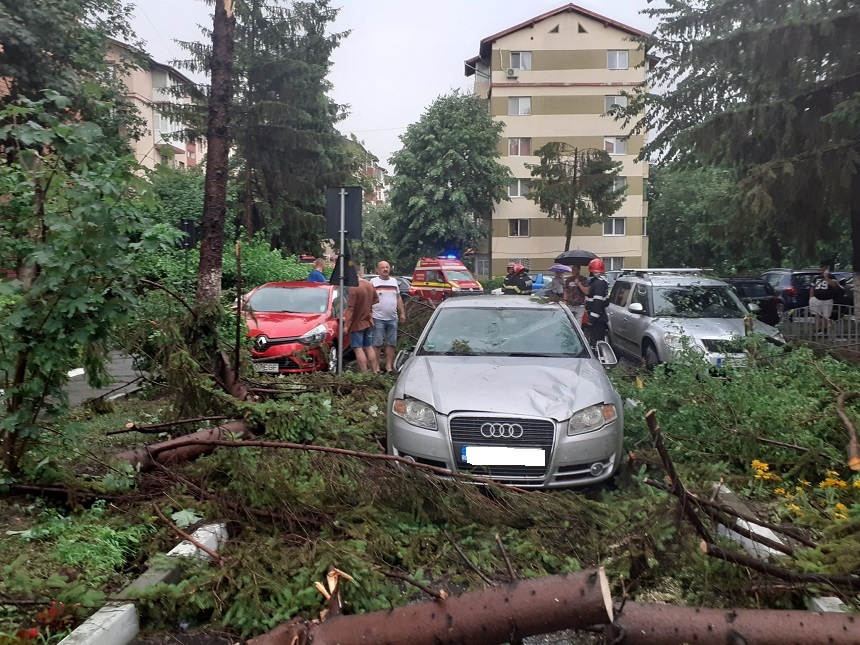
[{"x": 486, "y": 617}]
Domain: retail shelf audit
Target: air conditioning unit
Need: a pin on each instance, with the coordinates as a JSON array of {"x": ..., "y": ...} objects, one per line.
[{"x": 512, "y": 72}]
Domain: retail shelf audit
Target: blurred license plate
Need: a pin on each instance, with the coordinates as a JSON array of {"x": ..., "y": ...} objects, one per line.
[
  {"x": 266, "y": 367},
  {"x": 503, "y": 456}
]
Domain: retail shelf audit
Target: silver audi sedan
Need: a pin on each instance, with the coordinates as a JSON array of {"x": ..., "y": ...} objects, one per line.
[{"x": 507, "y": 388}]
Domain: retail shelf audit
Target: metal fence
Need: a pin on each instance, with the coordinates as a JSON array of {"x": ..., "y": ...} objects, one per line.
[{"x": 841, "y": 330}]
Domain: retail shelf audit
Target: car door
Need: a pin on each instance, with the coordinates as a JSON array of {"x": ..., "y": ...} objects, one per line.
[
  {"x": 638, "y": 324},
  {"x": 619, "y": 317}
]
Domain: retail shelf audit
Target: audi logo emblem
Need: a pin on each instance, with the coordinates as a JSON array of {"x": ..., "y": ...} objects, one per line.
[{"x": 502, "y": 430}]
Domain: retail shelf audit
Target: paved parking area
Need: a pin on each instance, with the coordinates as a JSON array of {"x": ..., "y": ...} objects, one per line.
[{"x": 125, "y": 380}]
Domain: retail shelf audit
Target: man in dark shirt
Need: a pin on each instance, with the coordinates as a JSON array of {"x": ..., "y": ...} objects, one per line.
[
  {"x": 358, "y": 321},
  {"x": 596, "y": 322}
]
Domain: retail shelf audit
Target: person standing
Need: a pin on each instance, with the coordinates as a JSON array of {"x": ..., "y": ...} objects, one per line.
[
  {"x": 317, "y": 274},
  {"x": 385, "y": 314},
  {"x": 596, "y": 322},
  {"x": 821, "y": 293},
  {"x": 358, "y": 322},
  {"x": 517, "y": 282},
  {"x": 575, "y": 290}
]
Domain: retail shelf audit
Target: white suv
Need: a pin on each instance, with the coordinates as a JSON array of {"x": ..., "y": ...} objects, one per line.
[{"x": 656, "y": 314}]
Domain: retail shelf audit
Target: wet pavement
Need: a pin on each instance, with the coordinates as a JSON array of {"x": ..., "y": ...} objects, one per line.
[{"x": 125, "y": 381}]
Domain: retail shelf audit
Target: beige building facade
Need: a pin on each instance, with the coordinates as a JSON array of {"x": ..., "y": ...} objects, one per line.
[
  {"x": 149, "y": 85},
  {"x": 553, "y": 78}
]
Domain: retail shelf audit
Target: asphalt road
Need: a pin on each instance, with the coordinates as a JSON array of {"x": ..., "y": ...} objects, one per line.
[{"x": 125, "y": 380}]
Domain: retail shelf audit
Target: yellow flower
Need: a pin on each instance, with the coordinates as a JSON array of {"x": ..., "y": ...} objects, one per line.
[
  {"x": 856, "y": 483},
  {"x": 779, "y": 491},
  {"x": 805, "y": 483},
  {"x": 840, "y": 516},
  {"x": 839, "y": 506},
  {"x": 833, "y": 473},
  {"x": 798, "y": 488},
  {"x": 795, "y": 509},
  {"x": 832, "y": 482},
  {"x": 760, "y": 465}
]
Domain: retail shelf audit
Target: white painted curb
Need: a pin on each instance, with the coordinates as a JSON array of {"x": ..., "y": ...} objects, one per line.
[{"x": 118, "y": 623}]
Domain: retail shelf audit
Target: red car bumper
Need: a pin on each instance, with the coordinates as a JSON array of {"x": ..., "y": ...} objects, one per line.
[{"x": 292, "y": 358}]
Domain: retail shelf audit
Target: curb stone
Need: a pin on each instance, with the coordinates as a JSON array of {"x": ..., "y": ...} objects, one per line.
[{"x": 118, "y": 623}]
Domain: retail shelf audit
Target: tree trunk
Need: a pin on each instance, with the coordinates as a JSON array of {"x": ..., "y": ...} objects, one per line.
[
  {"x": 855, "y": 235},
  {"x": 574, "y": 188},
  {"x": 493, "y": 615},
  {"x": 218, "y": 144}
]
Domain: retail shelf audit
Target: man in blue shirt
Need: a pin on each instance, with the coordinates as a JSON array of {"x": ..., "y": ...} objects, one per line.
[{"x": 317, "y": 274}]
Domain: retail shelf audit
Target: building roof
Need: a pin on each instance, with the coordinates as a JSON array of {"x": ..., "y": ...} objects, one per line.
[
  {"x": 154, "y": 63},
  {"x": 487, "y": 43}
]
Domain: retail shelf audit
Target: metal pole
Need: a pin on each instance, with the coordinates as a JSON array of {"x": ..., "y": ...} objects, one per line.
[{"x": 342, "y": 271}]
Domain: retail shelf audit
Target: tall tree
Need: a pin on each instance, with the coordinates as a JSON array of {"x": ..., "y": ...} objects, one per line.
[
  {"x": 575, "y": 185},
  {"x": 448, "y": 178},
  {"x": 287, "y": 149},
  {"x": 770, "y": 88}
]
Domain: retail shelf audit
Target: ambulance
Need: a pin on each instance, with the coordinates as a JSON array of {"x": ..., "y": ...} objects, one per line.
[{"x": 436, "y": 279}]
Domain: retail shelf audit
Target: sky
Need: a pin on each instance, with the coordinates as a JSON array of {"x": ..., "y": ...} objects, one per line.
[{"x": 399, "y": 57}]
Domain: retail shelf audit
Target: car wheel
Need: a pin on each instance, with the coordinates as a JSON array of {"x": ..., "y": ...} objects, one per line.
[{"x": 652, "y": 360}]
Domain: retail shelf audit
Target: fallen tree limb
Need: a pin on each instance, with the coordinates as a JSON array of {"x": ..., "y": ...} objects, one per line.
[
  {"x": 183, "y": 448},
  {"x": 850, "y": 581},
  {"x": 157, "y": 428},
  {"x": 653, "y": 624},
  {"x": 471, "y": 564},
  {"x": 205, "y": 445},
  {"x": 486, "y": 617},
  {"x": 185, "y": 536},
  {"x": 441, "y": 595},
  {"x": 853, "y": 450}
]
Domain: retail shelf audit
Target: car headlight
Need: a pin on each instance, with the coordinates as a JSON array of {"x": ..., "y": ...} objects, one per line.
[
  {"x": 591, "y": 418},
  {"x": 455, "y": 287},
  {"x": 415, "y": 412},
  {"x": 314, "y": 336}
]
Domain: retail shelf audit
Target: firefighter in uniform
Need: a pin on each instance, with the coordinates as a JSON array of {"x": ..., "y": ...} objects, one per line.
[
  {"x": 517, "y": 282},
  {"x": 596, "y": 321}
]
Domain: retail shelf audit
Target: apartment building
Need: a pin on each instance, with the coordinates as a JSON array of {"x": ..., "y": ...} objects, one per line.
[
  {"x": 148, "y": 86},
  {"x": 552, "y": 78}
]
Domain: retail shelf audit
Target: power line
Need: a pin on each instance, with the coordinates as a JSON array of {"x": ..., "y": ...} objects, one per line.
[{"x": 155, "y": 29}]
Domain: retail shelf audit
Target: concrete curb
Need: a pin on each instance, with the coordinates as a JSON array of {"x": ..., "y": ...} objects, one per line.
[{"x": 118, "y": 623}]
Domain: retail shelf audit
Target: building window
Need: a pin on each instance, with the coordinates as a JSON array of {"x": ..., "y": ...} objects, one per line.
[
  {"x": 519, "y": 105},
  {"x": 609, "y": 101},
  {"x": 620, "y": 184},
  {"x": 482, "y": 266},
  {"x": 519, "y": 147},
  {"x": 613, "y": 226},
  {"x": 614, "y": 264},
  {"x": 518, "y": 188},
  {"x": 615, "y": 145},
  {"x": 616, "y": 59},
  {"x": 521, "y": 60},
  {"x": 518, "y": 228},
  {"x": 526, "y": 262}
]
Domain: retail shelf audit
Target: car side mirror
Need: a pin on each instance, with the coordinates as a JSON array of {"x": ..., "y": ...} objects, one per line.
[
  {"x": 401, "y": 358},
  {"x": 605, "y": 354},
  {"x": 636, "y": 308}
]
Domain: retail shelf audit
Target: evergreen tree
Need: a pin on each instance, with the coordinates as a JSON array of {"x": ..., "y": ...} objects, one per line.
[
  {"x": 575, "y": 185},
  {"x": 283, "y": 121},
  {"x": 448, "y": 178},
  {"x": 770, "y": 89}
]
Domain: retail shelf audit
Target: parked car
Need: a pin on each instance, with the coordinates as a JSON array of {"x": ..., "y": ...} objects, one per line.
[
  {"x": 404, "y": 285},
  {"x": 294, "y": 326},
  {"x": 847, "y": 296},
  {"x": 657, "y": 316},
  {"x": 791, "y": 286},
  {"x": 507, "y": 388},
  {"x": 612, "y": 276},
  {"x": 757, "y": 292}
]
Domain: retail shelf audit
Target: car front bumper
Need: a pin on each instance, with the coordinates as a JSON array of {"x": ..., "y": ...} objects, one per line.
[
  {"x": 579, "y": 460},
  {"x": 290, "y": 358}
]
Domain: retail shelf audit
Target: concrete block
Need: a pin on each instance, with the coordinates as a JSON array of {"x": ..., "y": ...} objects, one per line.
[
  {"x": 754, "y": 549},
  {"x": 210, "y": 535},
  {"x": 113, "y": 624},
  {"x": 826, "y": 604}
]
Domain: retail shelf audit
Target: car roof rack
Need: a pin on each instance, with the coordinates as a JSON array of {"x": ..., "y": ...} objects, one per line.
[{"x": 665, "y": 271}]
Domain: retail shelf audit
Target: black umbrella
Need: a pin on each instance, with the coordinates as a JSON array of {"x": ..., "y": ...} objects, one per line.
[{"x": 575, "y": 258}]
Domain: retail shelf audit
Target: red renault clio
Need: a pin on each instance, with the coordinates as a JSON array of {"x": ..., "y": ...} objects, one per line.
[{"x": 294, "y": 326}]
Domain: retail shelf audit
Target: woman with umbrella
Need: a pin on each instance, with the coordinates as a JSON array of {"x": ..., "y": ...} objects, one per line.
[
  {"x": 555, "y": 290},
  {"x": 576, "y": 286}
]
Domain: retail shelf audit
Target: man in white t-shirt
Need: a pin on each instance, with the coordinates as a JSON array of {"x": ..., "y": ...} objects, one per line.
[{"x": 385, "y": 314}]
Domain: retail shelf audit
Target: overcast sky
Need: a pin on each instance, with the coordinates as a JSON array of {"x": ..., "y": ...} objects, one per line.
[{"x": 399, "y": 56}]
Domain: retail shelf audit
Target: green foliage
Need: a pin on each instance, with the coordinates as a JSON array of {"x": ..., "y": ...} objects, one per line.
[
  {"x": 448, "y": 179},
  {"x": 72, "y": 225},
  {"x": 575, "y": 185},
  {"x": 768, "y": 88}
]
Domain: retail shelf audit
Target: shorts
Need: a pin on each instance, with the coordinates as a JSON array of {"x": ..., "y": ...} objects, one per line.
[
  {"x": 363, "y": 338},
  {"x": 821, "y": 308},
  {"x": 384, "y": 332}
]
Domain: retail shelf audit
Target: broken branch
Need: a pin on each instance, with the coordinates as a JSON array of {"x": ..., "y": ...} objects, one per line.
[
  {"x": 511, "y": 573},
  {"x": 156, "y": 428},
  {"x": 185, "y": 536},
  {"x": 441, "y": 595},
  {"x": 471, "y": 564}
]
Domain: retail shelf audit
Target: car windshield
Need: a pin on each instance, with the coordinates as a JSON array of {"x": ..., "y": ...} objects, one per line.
[
  {"x": 697, "y": 301},
  {"x": 486, "y": 331},
  {"x": 458, "y": 276},
  {"x": 294, "y": 300}
]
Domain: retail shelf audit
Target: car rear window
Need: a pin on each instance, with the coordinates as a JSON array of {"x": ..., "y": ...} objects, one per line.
[
  {"x": 803, "y": 280},
  {"x": 753, "y": 289}
]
